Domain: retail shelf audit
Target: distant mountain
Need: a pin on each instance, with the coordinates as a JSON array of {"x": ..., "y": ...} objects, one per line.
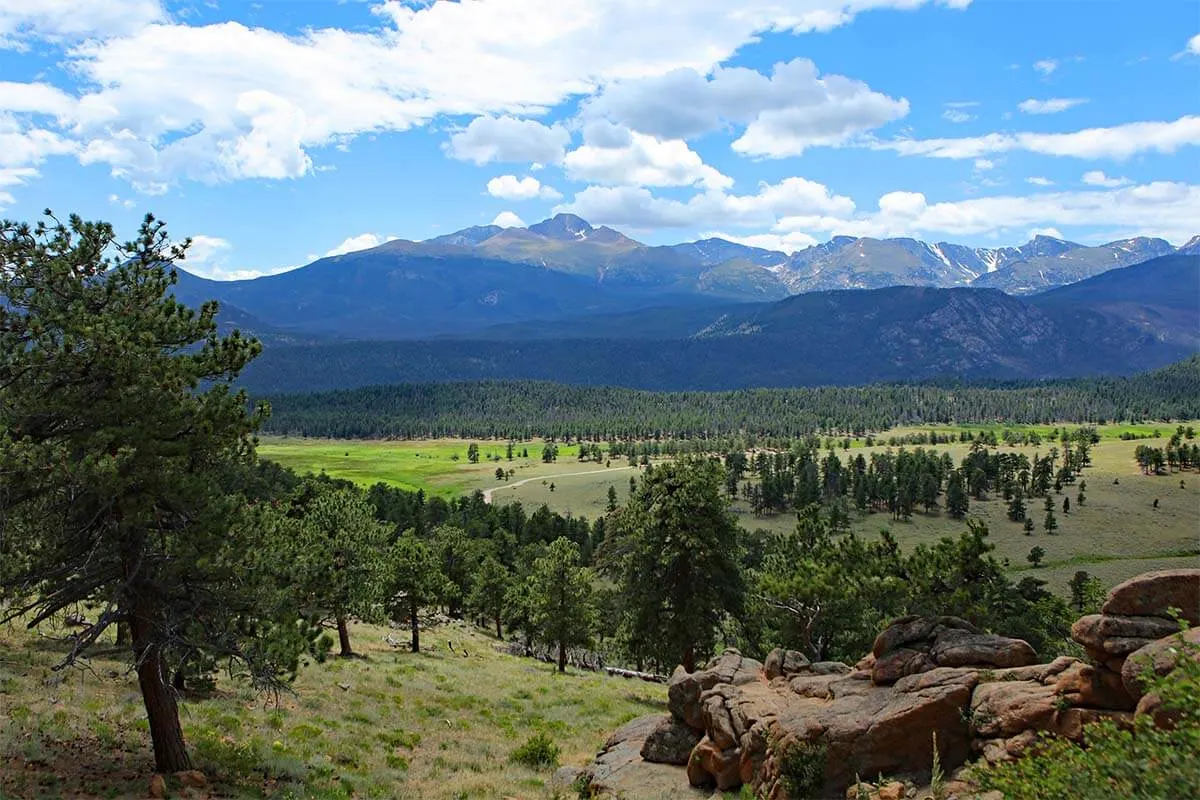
[
  {"x": 1191, "y": 247},
  {"x": 563, "y": 268},
  {"x": 389, "y": 293},
  {"x": 838, "y": 337},
  {"x": 716, "y": 251},
  {"x": 1068, "y": 262}
]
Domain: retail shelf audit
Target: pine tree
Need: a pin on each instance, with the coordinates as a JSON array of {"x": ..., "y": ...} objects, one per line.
[
  {"x": 956, "y": 496},
  {"x": 416, "y": 580},
  {"x": 679, "y": 562},
  {"x": 117, "y": 424},
  {"x": 561, "y": 593}
]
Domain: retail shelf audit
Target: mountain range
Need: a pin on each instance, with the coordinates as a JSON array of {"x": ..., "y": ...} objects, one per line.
[
  {"x": 468, "y": 281},
  {"x": 1122, "y": 321}
]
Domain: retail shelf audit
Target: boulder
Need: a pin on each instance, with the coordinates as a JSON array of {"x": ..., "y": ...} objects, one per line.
[
  {"x": 1152, "y": 593},
  {"x": 1002, "y": 709},
  {"x": 1117, "y": 635},
  {"x": 959, "y": 648},
  {"x": 862, "y": 728},
  {"x": 1094, "y": 687},
  {"x": 684, "y": 688},
  {"x": 620, "y": 771},
  {"x": 782, "y": 663},
  {"x": 917, "y": 644},
  {"x": 712, "y": 765},
  {"x": 1157, "y": 658},
  {"x": 670, "y": 742}
]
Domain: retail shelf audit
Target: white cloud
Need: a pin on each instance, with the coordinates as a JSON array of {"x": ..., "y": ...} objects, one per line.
[
  {"x": 1053, "y": 105},
  {"x": 227, "y": 101},
  {"x": 1097, "y": 178},
  {"x": 1193, "y": 45},
  {"x": 71, "y": 20},
  {"x": 1046, "y": 65},
  {"x": 35, "y": 98},
  {"x": 117, "y": 200},
  {"x": 957, "y": 116},
  {"x": 1052, "y": 232},
  {"x": 364, "y": 241},
  {"x": 1118, "y": 142},
  {"x": 1038, "y": 180},
  {"x": 983, "y": 164},
  {"x": 616, "y": 156},
  {"x": 794, "y": 99},
  {"x": 1160, "y": 208},
  {"x": 510, "y": 187},
  {"x": 636, "y": 207},
  {"x": 507, "y": 219},
  {"x": 784, "y": 243},
  {"x": 488, "y": 139}
]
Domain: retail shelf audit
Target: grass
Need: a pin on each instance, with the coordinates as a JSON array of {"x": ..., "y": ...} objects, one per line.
[
  {"x": 428, "y": 725},
  {"x": 437, "y": 466},
  {"x": 1115, "y": 535}
]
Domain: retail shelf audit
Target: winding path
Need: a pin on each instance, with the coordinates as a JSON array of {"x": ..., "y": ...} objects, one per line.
[{"x": 487, "y": 493}]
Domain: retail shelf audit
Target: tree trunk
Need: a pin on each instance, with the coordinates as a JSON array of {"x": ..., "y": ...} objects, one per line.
[
  {"x": 162, "y": 711},
  {"x": 562, "y": 657},
  {"x": 499, "y": 629},
  {"x": 344, "y": 637},
  {"x": 416, "y": 627},
  {"x": 122, "y": 633},
  {"x": 689, "y": 659}
]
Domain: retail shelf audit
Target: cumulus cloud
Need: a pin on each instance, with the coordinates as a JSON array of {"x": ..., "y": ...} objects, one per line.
[
  {"x": 1193, "y": 45},
  {"x": 1038, "y": 180},
  {"x": 1052, "y": 232},
  {"x": 637, "y": 207},
  {"x": 1118, "y": 142},
  {"x": 1161, "y": 208},
  {"x": 1053, "y": 105},
  {"x": 507, "y": 219},
  {"x": 1097, "y": 178},
  {"x": 363, "y": 241},
  {"x": 1046, "y": 65},
  {"x": 70, "y": 20},
  {"x": 794, "y": 98},
  {"x": 230, "y": 101},
  {"x": 616, "y": 156},
  {"x": 784, "y": 243},
  {"x": 488, "y": 139},
  {"x": 510, "y": 187}
]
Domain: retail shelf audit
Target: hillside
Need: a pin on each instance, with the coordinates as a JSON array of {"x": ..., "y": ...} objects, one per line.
[{"x": 837, "y": 338}]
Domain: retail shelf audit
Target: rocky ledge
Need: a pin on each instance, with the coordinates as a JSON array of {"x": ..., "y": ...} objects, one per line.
[{"x": 928, "y": 683}]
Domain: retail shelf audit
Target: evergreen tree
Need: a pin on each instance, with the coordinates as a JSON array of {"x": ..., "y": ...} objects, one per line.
[
  {"x": 492, "y": 580},
  {"x": 1036, "y": 554},
  {"x": 676, "y": 547},
  {"x": 956, "y": 496},
  {"x": 1050, "y": 524},
  {"x": 338, "y": 558},
  {"x": 561, "y": 593},
  {"x": 1029, "y": 526},
  {"x": 1016, "y": 506},
  {"x": 416, "y": 581},
  {"x": 612, "y": 500},
  {"x": 117, "y": 423}
]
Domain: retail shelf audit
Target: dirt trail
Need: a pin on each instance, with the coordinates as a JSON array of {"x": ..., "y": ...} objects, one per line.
[{"x": 487, "y": 493}]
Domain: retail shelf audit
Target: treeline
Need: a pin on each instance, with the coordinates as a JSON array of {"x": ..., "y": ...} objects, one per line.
[{"x": 523, "y": 409}]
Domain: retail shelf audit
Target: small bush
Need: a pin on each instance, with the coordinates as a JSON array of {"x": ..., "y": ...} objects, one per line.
[
  {"x": 538, "y": 752},
  {"x": 802, "y": 769}
]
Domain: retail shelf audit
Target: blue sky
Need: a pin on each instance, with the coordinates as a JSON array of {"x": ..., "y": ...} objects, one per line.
[{"x": 277, "y": 132}]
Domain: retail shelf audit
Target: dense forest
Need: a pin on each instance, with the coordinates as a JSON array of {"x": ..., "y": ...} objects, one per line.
[{"x": 517, "y": 410}]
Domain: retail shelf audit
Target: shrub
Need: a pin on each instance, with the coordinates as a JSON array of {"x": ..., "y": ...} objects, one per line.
[
  {"x": 537, "y": 753},
  {"x": 802, "y": 769}
]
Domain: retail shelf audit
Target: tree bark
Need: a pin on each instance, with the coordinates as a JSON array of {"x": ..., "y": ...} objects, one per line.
[
  {"x": 344, "y": 637},
  {"x": 562, "y": 657},
  {"x": 122, "y": 633},
  {"x": 416, "y": 627},
  {"x": 689, "y": 659},
  {"x": 499, "y": 629},
  {"x": 162, "y": 710}
]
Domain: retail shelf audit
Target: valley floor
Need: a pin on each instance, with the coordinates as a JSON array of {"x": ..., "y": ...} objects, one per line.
[{"x": 1117, "y": 533}]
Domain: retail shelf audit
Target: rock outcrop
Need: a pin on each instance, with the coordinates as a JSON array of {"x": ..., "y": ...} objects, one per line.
[{"x": 928, "y": 682}]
